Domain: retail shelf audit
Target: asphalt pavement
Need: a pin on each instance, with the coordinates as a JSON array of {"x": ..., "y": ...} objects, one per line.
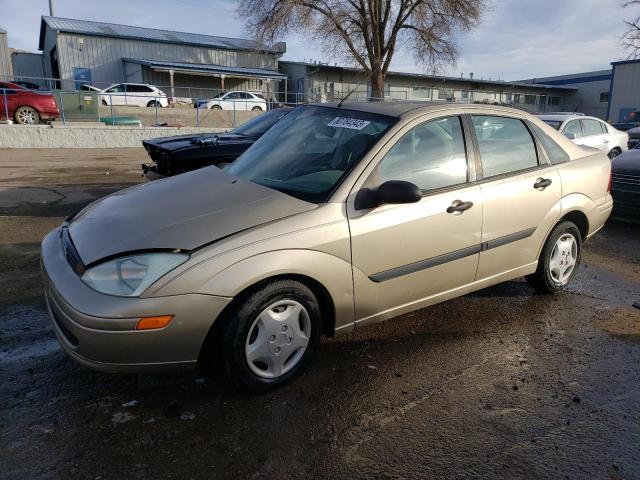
[{"x": 502, "y": 383}]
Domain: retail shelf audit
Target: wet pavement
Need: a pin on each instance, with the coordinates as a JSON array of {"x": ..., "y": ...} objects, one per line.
[{"x": 502, "y": 383}]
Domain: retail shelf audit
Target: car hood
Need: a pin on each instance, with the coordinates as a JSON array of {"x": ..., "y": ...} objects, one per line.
[
  {"x": 627, "y": 163},
  {"x": 205, "y": 140},
  {"x": 182, "y": 212}
]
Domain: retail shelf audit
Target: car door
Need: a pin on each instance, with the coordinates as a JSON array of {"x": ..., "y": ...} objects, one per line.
[
  {"x": 233, "y": 101},
  {"x": 593, "y": 135},
  {"x": 521, "y": 194},
  {"x": 405, "y": 254},
  {"x": 116, "y": 95}
]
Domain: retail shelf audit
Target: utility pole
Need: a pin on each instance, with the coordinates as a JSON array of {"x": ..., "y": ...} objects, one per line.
[{"x": 52, "y": 9}]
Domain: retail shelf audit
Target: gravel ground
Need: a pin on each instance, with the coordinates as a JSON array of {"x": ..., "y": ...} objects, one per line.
[{"x": 502, "y": 383}]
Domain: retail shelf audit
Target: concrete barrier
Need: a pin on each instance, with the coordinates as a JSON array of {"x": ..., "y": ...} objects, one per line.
[{"x": 87, "y": 136}]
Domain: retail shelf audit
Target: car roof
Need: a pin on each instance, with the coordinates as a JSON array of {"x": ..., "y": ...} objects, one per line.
[
  {"x": 403, "y": 108},
  {"x": 565, "y": 117}
]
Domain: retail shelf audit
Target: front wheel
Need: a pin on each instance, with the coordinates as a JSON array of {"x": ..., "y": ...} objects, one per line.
[
  {"x": 216, "y": 107},
  {"x": 559, "y": 260},
  {"x": 271, "y": 336},
  {"x": 613, "y": 153}
]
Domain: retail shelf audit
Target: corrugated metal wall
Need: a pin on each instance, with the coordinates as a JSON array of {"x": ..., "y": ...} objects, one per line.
[
  {"x": 104, "y": 56},
  {"x": 625, "y": 91},
  {"x": 26, "y": 64},
  {"x": 5, "y": 59}
]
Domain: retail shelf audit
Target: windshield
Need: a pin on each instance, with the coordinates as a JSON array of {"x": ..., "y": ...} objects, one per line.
[
  {"x": 554, "y": 123},
  {"x": 257, "y": 126},
  {"x": 310, "y": 150}
]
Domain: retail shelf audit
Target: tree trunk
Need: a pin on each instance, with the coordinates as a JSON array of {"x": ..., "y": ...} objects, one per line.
[{"x": 377, "y": 87}]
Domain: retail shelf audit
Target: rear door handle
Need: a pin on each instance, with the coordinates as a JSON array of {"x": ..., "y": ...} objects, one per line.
[
  {"x": 459, "y": 206},
  {"x": 542, "y": 183}
]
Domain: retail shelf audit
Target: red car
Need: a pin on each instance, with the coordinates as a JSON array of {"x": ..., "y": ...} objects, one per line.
[{"x": 26, "y": 107}]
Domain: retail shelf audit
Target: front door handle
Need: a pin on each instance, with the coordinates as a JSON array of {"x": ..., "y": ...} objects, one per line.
[
  {"x": 542, "y": 183},
  {"x": 605, "y": 141},
  {"x": 459, "y": 206}
]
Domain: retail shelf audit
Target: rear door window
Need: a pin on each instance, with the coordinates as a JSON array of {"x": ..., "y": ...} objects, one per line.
[
  {"x": 506, "y": 145},
  {"x": 591, "y": 127}
]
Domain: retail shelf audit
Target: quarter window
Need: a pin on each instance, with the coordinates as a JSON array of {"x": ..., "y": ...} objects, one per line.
[
  {"x": 505, "y": 145},
  {"x": 554, "y": 151},
  {"x": 573, "y": 127},
  {"x": 431, "y": 155}
]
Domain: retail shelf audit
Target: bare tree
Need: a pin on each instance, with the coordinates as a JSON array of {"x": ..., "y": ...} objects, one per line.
[
  {"x": 369, "y": 31},
  {"x": 631, "y": 39}
]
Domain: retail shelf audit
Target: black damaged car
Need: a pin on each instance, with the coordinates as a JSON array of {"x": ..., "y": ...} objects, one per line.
[
  {"x": 625, "y": 185},
  {"x": 183, "y": 153}
]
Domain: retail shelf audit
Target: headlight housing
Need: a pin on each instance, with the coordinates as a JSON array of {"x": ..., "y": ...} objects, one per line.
[{"x": 131, "y": 275}]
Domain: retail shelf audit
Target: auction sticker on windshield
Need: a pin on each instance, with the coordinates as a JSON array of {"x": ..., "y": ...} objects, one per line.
[{"x": 352, "y": 123}]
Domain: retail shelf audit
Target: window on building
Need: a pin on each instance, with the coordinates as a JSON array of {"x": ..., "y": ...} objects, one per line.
[
  {"x": 604, "y": 97},
  {"x": 505, "y": 145},
  {"x": 387, "y": 90},
  {"x": 555, "y": 101},
  {"x": 421, "y": 92},
  {"x": 530, "y": 99},
  {"x": 431, "y": 155},
  {"x": 508, "y": 97},
  {"x": 445, "y": 94},
  {"x": 573, "y": 127},
  {"x": 462, "y": 94},
  {"x": 517, "y": 98}
]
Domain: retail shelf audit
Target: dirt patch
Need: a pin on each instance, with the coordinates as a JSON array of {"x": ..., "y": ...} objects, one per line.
[{"x": 623, "y": 322}]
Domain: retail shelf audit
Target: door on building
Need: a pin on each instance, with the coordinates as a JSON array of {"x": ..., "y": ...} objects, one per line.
[{"x": 82, "y": 76}]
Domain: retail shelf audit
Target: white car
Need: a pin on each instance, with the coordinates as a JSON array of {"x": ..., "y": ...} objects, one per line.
[
  {"x": 235, "y": 100},
  {"x": 134, "y": 94},
  {"x": 89, "y": 88},
  {"x": 589, "y": 131}
]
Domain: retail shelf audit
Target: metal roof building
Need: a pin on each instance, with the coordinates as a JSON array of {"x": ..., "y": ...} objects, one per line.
[
  {"x": 82, "y": 51},
  {"x": 326, "y": 83},
  {"x": 624, "y": 96}
]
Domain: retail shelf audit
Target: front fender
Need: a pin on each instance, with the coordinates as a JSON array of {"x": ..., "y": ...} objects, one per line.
[{"x": 332, "y": 272}]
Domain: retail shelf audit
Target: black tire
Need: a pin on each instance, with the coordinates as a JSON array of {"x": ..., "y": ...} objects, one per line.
[
  {"x": 216, "y": 107},
  {"x": 256, "y": 109},
  {"x": 543, "y": 280},
  {"x": 104, "y": 103},
  {"x": 237, "y": 326},
  {"x": 614, "y": 153},
  {"x": 153, "y": 103}
]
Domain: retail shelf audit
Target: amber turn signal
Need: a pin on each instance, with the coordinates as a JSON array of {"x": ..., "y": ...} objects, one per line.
[{"x": 150, "y": 323}]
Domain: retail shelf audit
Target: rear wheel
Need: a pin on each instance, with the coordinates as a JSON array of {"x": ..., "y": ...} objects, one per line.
[
  {"x": 271, "y": 336},
  {"x": 104, "y": 103},
  {"x": 216, "y": 107},
  {"x": 256, "y": 109},
  {"x": 154, "y": 104},
  {"x": 614, "y": 153},
  {"x": 26, "y": 116},
  {"x": 559, "y": 260}
]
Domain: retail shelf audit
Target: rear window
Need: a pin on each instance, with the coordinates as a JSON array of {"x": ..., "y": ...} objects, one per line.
[{"x": 553, "y": 123}]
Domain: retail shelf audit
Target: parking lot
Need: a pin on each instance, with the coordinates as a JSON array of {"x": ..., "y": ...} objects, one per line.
[{"x": 501, "y": 383}]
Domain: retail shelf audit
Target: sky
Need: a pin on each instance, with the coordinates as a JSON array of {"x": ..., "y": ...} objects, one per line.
[{"x": 516, "y": 39}]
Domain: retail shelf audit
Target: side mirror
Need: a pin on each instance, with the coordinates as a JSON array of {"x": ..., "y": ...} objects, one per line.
[
  {"x": 389, "y": 193},
  {"x": 570, "y": 135}
]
